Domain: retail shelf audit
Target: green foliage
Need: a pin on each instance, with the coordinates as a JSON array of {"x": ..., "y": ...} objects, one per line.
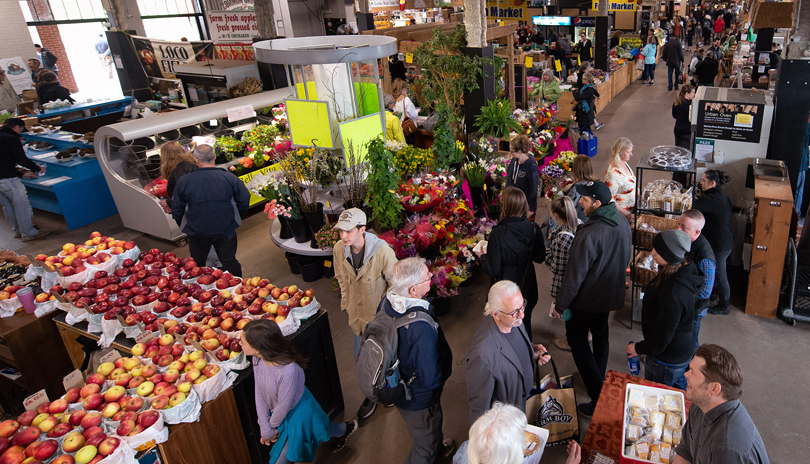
[
  {"x": 475, "y": 172},
  {"x": 444, "y": 143},
  {"x": 496, "y": 119},
  {"x": 382, "y": 184}
]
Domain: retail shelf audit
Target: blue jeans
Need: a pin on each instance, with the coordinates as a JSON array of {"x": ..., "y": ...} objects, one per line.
[
  {"x": 649, "y": 71},
  {"x": 336, "y": 429},
  {"x": 357, "y": 341},
  {"x": 14, "y": 200},
  {"x": 670, "y": 71},
  {"x": 799, "y": 191},
  {"x": 667, "y": 374},
  {"x": 698, "y": 319}
]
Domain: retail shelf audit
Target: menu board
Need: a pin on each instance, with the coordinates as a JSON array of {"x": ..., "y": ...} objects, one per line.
[{"x": 730, "y": 121}]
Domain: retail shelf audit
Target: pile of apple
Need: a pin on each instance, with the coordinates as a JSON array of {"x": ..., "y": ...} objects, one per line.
[
  {"x": 98, "y": 249},
  {"x": 10, "y": 291}
]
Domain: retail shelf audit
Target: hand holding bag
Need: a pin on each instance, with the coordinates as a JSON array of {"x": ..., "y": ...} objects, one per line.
[{"x": 554, "y": 409}]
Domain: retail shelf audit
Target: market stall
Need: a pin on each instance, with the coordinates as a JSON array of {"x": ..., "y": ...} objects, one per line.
[{"x": 83, "y": 117}]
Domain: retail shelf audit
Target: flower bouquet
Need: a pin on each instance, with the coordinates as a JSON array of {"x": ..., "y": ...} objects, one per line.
[
  {"x": 410, "y": 160},
  {"x": 260, "y": 137},
  {"x": 327, "y": 237},
  {"x": 448, "y": 275},
  {"x": 416, "y": 197},
  {"x": 229, "y": 147},
  {"x": 274, "y": 187},
  {"x": 484, "y": 146}
]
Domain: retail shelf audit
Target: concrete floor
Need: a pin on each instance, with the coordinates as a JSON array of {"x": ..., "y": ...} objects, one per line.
[{"x": 774, "y": 395}]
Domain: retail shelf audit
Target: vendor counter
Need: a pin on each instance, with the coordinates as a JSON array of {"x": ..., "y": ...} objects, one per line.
[{"x": 85, "y": 117}]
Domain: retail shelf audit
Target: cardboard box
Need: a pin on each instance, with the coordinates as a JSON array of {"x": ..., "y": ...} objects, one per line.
[
  {"x": 624, "y": 459},
  {"x": 30, "y": 122}
]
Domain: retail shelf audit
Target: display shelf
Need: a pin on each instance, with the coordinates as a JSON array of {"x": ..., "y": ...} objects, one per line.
[{"x": 108, "y": 106}]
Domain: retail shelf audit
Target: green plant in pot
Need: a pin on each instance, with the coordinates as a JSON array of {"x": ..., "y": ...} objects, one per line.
[
  {"x": 496, "y": 119},
  {"x": 382, "y": 184},
  {"x": 444, "y": 142},
  {"x": 229, "y": 147},
  {"x": 476, "y": 174}
]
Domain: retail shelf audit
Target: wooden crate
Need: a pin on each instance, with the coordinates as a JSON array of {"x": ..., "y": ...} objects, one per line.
[{"x": 644, "y": 238}]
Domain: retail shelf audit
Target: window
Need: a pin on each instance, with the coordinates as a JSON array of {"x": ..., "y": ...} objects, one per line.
[
  {"x": 61, "y": 10},
  {"x": 167, "y": 7}
]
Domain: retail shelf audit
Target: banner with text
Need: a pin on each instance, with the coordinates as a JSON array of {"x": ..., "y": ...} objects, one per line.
[
  {"x": 17, "y": 73},
  {"x": 730, "y": 121},
  {"x": 234, "y": 51},
  {"x": 507, "y": 9},
  {"x": 618, "y": 5},
  {"x": 158, "y": 57},
  {"x": 232, "y": 26}
]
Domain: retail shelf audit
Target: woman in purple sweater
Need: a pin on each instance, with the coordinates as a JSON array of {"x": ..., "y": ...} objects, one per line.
[{"x": 290, "y": 419}]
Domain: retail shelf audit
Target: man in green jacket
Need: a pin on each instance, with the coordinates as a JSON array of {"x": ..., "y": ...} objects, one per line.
[{"x": 548, "y": 89}]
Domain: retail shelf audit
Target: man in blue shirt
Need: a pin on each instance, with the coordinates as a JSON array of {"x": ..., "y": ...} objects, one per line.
[
  {"x": 692, "y": 223},
  {"x": 207, "y": 205}
]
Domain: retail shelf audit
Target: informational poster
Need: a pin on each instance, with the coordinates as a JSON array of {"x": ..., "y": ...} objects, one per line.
[
  {"x": 730, "y": 121},
  {"x": 232, "y": 26},
  {"x": 17, "y": 73},
  {"x": 159, "y": 57},
  {"x": 618, "y": 5},
  {"x": 507, "y": 9},
  {"x": 704, "y": 150}
]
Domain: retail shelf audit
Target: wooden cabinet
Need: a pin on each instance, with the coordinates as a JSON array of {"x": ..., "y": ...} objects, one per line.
[
  {"x": 32, "y": 346},
  {"x": 774, "y": 206}
]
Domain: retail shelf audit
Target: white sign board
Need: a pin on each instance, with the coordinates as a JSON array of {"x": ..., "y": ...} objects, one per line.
[
  {"x": 17, "y": 73},
  {"x": 232, "y": 26}
]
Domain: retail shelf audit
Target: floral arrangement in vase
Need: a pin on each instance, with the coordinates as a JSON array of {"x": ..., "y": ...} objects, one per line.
[{"x": 326, "y": 237}]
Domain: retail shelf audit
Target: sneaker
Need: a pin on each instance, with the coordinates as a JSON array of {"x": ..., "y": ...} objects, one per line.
[
  {"x": 17, "y": 234},
  {"x": 448, "y": 447},
  {"x": 719, "y": 310},
  {"x": 586, "y": 409},
  {"x": 669, "y": 89},
  {"x": 562, "y": 343},
  {"x": 600, "y": 125},
  {"x": 42, "y": 233},
  {"x": 366, "y": 409},
  {"x": 340, "y": 442}
]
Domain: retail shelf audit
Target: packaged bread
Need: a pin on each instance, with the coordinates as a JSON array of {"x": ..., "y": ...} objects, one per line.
[
  {"x": 642, "y": 450},
  {"x": 666, "y": 453},
  {"x": 531, "y": 443},
  {"x": 635, "y": 398},
  {"x": 676, "y": 437},
  {"x": 657, "y": 418},
  {"x": 673, "y": 420}
]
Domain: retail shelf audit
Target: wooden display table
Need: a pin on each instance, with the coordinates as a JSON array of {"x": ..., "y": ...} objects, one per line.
[
  {"x": 31, "y": 347},
  {"x": 605, "y": 433}
]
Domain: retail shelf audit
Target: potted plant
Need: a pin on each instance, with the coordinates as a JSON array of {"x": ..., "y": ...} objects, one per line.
[
  {"x": 476, "y": 173},
  {"x": 351, "y": 180},
  {"x": 282, "y": 203},
  {"x": 382, "y": 183},
  {"x": 228, "y": 148},
  {"x": 496, "y": 119}
]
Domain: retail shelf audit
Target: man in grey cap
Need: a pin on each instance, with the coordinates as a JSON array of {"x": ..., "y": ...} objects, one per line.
[
  {"x": 594, "y": 284},
  {"x": 361, "y": 261}
]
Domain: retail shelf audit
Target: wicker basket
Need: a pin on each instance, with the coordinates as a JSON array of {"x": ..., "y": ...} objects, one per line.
[
  {"x": 642, "y": 276},
  {"x": 643, "y": 238}
]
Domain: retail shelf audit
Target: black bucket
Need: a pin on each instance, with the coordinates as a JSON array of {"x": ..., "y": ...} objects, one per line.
[
  {"x": 208, "y": 128},
  {"x": 292, "y": 260},
  {"x": 190, "y": 131},
  {"x": 241, "y": 122},
  {"x": 223, "y": 133},
  {"x": 168, "y": 136},
  {"x": 311, "y": 268},
  {"x": 144, "y": 141}
]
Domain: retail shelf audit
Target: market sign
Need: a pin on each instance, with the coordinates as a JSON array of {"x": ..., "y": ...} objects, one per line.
[
  {"x": 730, "y": 121},
  {"x": 630, "y": 42},
  {"x": 507, "y": 9},
  {"x": 383, "y": 3},
  {"x": 618, "y": 5},
  {"x": 232, "y": 26},
  {"x": 17, "y": 73},
  {"x": 158, "y": 57}
]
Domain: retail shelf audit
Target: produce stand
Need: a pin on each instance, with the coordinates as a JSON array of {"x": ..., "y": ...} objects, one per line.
[
  {"x": 85, "y": 117},
  {"x": 73, "y": 188}
]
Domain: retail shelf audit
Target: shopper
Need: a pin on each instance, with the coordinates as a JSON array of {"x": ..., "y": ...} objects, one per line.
[
  {"x": 523, "y": 172},
  {"x": 104, "y": 55},
  {"x": 667, "y": 311},
  {"x": 564, "y": 214},
  {"x": 586, "y": 103},
  {"x": 361, "y": 261},
  {"x": 680, "y": 111},
  {"x": 719, "y": 428},
  {"x": 393, "y": 125},
  {"x": 396, "y": 68},
  {"x": 424, "y": 357},
  {"x": 719, "y": 26},
  {"x": 513, "y": 246},
  {"x": 716, "y": 208},
  {"x": 498, "y": 437},
  {"x": 585, "y": 68},
  {"x": 707, "y": 30},
  {"x": 13, "y": 196},
  {"x": 697, "y": 57},
  {"x": 581, "y": 172},
  {"x": 175, "y": 162},
  {"x": 551, "y": 36},
  {"x": 501, "y": 359},
  {"x": 203, "y": 207},
  {"x": 649, "y": 53},
  {"x": 716, "y": 51},
  {"x": 290, "y": 419},
  {"x": 548, "y": 89},
  {"x": 692, "y": 222},
  {"x": 36, "y": 70},
  {"x": 706, "y": 70},
  {"x": 620, "y": 177},
  {"x": 537, "y": 36},
  {"x": 558, "y": 53},
  {"x": 672, "y": 54},
  {"x": 594, "y": 285},
  {"x": 691, "y": 25},
  {"x": 615, "y": 39},
  {"x": 48, "y": 89},
  {"x": 9, "y": 97},
  {"x": 584, "y": 47},
  {"x": 403, "y": 104},
  {"x": 47, "y": 59}
]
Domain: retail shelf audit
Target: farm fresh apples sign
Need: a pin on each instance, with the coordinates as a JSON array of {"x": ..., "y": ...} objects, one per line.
[{"x": 507, "y": 9}]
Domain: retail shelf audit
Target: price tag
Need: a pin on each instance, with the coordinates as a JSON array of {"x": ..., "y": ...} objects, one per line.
[
  {"x": 121, "y": 320},
  {"x": 240, "y": 112},
  {"x": 59, "y": 297},
  {"x": 161, "y": 329},
  {"x": 529, "y": 62},
  {"x": 197, "y": 345},
  {"x": 111, "y": 356},
  {"x": 144, "y": 337},
  {"x": 32, "y": 402},
  {"x": 327, "y": 263},
  {"x": 557, "y": 65},
  {"x": 74, "y": 379},
  {"x": 409, "y": 58}
]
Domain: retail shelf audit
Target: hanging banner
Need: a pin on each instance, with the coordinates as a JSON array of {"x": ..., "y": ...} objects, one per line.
[
  {"x": 507, "y": 9},
  {"x": 232, "y": 26},
  {"x": 158, "y": 57},
  {"x": 17, "y": 73},
  {"x": 234, "y": 51},
  {"x": 618, "y": 5}
]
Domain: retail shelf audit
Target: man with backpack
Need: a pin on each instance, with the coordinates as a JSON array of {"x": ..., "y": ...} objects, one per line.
[
  {"x": 414, "y": 377},
  {"x": 361, "y": 260}
]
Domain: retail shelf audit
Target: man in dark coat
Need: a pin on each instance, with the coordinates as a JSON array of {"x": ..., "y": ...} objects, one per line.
[
  {"x": 672, "y": 54},
  {"x": 706, "y": 70},
  {"x": 594, "y": 284},
  {"x": 47, "y": 59}
]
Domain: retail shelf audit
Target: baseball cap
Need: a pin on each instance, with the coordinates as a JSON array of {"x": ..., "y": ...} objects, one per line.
[
  {"x": 350, "y": 219},
  {"x": 597, "y": 190}
]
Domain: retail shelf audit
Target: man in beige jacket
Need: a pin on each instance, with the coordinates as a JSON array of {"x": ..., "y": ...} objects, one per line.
[{"x": 361, "y": 260}]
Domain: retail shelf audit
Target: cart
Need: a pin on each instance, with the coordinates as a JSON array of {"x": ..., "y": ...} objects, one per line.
[{"x": 797, "y": 286}]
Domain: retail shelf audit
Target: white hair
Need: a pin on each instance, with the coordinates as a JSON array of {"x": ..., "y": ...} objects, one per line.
[
  {"x": 497, "y": 436},
  {"x": 205, "y": 153},
  {"x": 500, "y": 292},
  {"x": 404, "y": 274},
  {"x": 548, "y": 72}
]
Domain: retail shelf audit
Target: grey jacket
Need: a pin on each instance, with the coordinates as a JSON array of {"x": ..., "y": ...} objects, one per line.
[{"x": 494, "y": 370}]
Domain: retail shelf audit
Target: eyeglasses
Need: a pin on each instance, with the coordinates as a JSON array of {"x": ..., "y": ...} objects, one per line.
[
  {"x": 514, "y": 313},
  {"x": 430, "y": 276}
]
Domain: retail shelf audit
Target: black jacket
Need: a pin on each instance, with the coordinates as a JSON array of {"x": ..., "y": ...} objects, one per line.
[
  {"x": 594, "y": 279},
  {"x": 526, "y": 177},
  {"x": 589, "y": 95},
  {"x": 716, "y": 208},
  {"x": 48, "y": 59},
  {"x": 667, "y": 316},
  {"x": 12, "y": 154},
  {"x": 210, "y": 201},
  {"x": 681, "y": 115},
  {"x": 701, "y": 250},
  {"x": 706, "y": 71},
  {"x": 52, "y": 91},
  {"x": 672, "y": 53},
  {"x": 180, "y": 170},
  {"x": 512, "y": 246}
]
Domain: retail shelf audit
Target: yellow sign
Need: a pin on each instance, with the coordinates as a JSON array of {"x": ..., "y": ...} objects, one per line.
[
  {"x": 618, "y": 5},
  {"x": 508, "y": 9},
  {"x": 557, "y": 65},
  {"x": 529, "y": 62},
  {"x": 630, "y": 42},
  {"x": 409, "y": 58}
]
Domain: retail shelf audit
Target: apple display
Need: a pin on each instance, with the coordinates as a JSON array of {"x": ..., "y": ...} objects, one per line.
[
  {"x": 25, "y": 436},
  {"x": 108, "y": 446},
  {"x": 92, "y": 402},
  {"x": 86, "y": 454}
]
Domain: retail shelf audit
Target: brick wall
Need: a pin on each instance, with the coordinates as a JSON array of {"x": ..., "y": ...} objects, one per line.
[
  {"x": 52, "y": 40},
  {"x": 14, "y": 36}
]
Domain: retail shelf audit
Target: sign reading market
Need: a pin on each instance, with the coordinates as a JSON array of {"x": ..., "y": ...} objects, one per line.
[
  {"x": 618, "y": 5},
  {"x": 507, "y": 9}
]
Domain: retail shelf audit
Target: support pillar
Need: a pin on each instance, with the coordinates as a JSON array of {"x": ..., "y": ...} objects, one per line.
[{"x": 473, "y": 101}]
